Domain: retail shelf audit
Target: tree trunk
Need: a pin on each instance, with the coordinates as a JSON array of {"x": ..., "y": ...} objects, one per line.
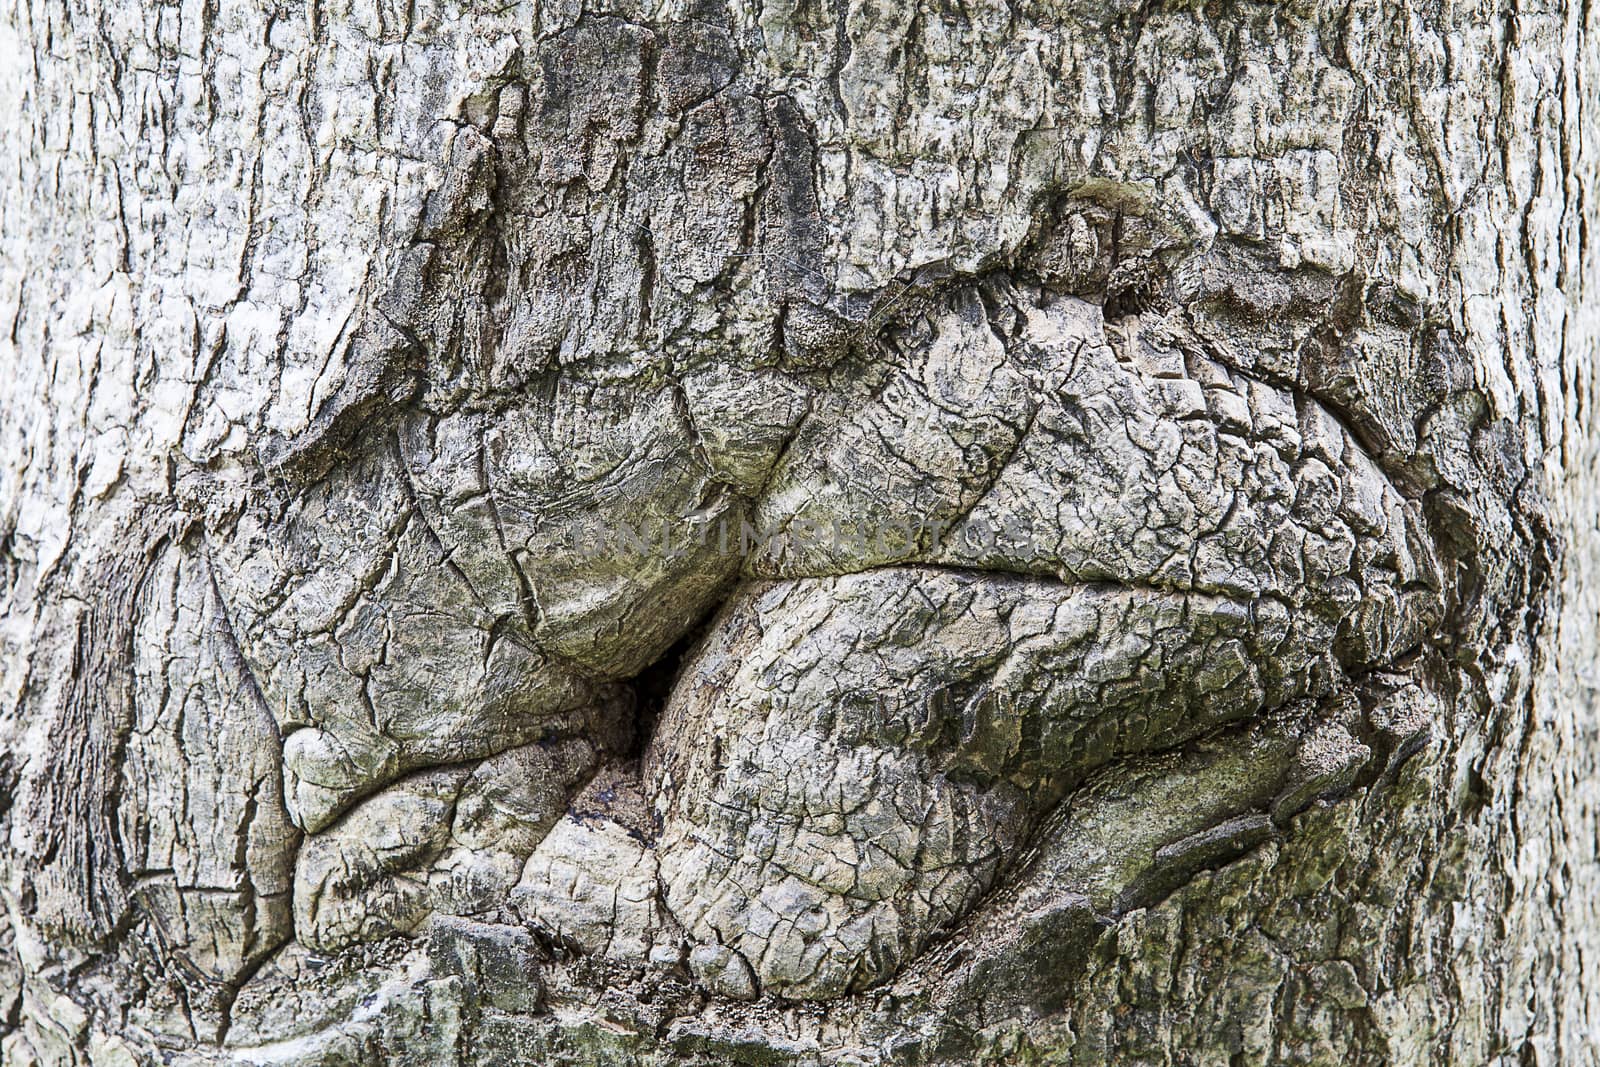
[{"x": 865, "y": 534}]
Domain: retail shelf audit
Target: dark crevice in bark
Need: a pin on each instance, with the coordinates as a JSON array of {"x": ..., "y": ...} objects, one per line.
[{"x": 652, "y": 687}]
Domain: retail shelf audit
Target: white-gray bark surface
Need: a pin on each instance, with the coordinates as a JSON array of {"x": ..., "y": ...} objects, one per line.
[{"x": 862, "y": 533}]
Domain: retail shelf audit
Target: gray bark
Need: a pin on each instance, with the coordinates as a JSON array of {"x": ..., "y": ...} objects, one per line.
[{"x": 1169, "y": 630}]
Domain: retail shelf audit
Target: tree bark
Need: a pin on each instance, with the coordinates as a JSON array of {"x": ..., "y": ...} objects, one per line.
[{"x": 875, "y": 533}]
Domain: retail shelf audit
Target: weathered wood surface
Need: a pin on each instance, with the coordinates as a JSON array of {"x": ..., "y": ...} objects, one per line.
[{"x": 1181, "y": 647}]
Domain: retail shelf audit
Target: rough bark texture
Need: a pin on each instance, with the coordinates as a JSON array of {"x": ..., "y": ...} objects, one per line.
[{"x": 1170, "y": 634}]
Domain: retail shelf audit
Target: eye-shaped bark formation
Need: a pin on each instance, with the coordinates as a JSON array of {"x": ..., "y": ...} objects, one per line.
[{"x": 797, "y": 534}]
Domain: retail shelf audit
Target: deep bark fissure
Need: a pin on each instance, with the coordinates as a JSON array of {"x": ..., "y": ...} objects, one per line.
[{"x": 321, "y": 739}]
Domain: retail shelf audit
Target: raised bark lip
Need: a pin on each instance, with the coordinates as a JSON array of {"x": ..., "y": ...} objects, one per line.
[
  {"x": 386, "y": 385},
  {"x": 1401, "y": 662},
  {"x": 751, "y": 567}
]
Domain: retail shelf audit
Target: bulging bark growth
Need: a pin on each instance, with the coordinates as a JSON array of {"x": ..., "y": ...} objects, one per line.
[{"x": 798, "y": 534}]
